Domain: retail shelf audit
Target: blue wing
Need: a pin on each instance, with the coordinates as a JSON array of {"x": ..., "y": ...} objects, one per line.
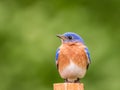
[
  {"x": 57, "y": 55},
  {"x": 88, "y": 55}
]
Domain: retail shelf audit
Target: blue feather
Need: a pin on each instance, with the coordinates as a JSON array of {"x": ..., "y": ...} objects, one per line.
[
  {"x": 57, "y": 54},
  {"x": 75, "y": 36},
  {"x": 88, "y": 54}
]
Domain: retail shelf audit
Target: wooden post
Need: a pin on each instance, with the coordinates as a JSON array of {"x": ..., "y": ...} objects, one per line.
[{"x": 68, "y": 86}]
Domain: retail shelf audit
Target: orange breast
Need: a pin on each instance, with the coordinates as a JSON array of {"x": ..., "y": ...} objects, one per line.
[{"x": 74, "y": 52}]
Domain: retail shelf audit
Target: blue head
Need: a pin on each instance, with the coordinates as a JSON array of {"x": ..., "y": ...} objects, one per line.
[{"x": 70, "y": 37}]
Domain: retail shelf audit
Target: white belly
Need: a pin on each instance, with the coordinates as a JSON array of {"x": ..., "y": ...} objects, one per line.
[{"x": 72, "y": 72}]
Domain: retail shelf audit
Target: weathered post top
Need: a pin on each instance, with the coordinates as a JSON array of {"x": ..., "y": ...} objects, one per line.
[{"x": 68, "y": 86}]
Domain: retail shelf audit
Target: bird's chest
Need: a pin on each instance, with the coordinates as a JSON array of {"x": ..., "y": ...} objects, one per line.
[
  {"x": 74, "y": 54},
  {"x": 71, "y": 51}
]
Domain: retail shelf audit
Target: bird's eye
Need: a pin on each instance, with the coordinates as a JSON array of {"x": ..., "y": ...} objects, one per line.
[{"x": 69, "y": 37}]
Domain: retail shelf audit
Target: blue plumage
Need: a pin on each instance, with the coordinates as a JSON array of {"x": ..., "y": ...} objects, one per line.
[
  {"x": 88, "y": 54},
  {"x": 57, "y": 54},
  {"x": 75, "y": 37}
]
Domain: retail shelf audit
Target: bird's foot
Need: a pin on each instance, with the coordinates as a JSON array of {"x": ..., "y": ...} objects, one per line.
[
  {"x": 66, "y": 81},
  {"x": 77, "y": 81}
]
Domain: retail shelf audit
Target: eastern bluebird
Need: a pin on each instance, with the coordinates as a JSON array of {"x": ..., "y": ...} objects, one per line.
[{"x": 72, "y": 57}]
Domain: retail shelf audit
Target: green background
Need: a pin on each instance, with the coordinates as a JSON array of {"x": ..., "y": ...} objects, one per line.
[{"x": 28, "y": 41}]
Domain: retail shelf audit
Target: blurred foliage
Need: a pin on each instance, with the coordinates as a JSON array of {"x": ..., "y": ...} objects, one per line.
[{"x": 28, "y": 41}]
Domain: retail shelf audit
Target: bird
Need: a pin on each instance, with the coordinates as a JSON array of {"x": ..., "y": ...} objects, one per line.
[{"x": 72, "y": 57}]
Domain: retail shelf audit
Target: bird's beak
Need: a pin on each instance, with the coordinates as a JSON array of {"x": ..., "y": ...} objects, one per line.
[{"x": 61, "y": 36}]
